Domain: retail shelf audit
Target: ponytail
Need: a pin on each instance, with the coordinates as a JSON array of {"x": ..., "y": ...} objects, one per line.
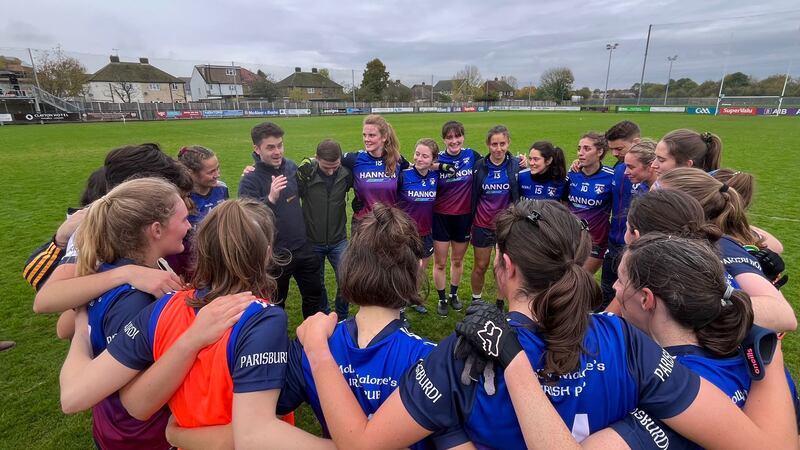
[
  {"x": 704, "y": 150},
  {"x": 723, "y": 335},
  {"x": 557, "y": 170},
  {"x": 713, "y": 154}
]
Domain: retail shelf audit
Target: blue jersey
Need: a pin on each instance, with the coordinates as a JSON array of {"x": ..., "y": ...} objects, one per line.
[
  {"x": 590, "y": 199},
  {"x": 416, "y": 197},
  {"x": 730, "y": 375},
  {"x": 622, "y": 193},
  {"x": 205, "y": 203},
  {"x": 736, "y": 259},
  {"x": 454, "y": 196},
  {"x": 620, "y": 369},
  {"x": 532, "y": 187},
  {"x": 370, "y": 182},
  {"x": 494, "y": 193},
  {"x": 372, "y": 372}
]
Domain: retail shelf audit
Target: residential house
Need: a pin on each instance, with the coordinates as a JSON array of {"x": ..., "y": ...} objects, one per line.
[
  {"x": 127, "y": 82},
  {"x": 312, "y": 86},
  {"x": 187, "y": 87},
  {"x": 421, "y": 92},
  {"x": 219, "y": 82},
  {"x": 499, "y": 87},
  {"x": 445, "y": 87},
  {"x": 396, "y": 91}
]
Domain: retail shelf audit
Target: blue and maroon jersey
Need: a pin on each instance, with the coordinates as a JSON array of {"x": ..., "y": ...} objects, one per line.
[
  {"x": 590, "y": 199},
  {"x": 494, "y": 193},
  {"x": 370, "y": 182},
  {"x": 112, "y": 426},
  {"x": 372, "y": 372},
  {"x": 539, "y": 188},
  {"x": 251, "y": 356},
  {"x": 454, "y": 195},
  {"x": 622, "y": 193},
  {"x": 417, "y": 194},
  {"x": 730, "y": 375},
  {"x": 205, "y": 203},
  {"x": 620, "y": 369}
]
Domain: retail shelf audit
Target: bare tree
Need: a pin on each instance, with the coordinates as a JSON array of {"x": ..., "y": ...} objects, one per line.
[
  {"x": 467, "y": 83},
  {"x": 59, "y": 74},
  {"x": 511, "y": 80},
  {"x": 122, "y": 89}
]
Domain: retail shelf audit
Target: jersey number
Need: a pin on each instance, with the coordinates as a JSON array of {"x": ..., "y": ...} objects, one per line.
[{"x": 580, "y": 427}]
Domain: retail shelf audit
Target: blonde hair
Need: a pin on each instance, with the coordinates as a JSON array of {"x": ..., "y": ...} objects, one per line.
[
  {"x": 721, "y": 203},
  {"x": 233, "y": 251},
  {"x": 115, "y": 225},
  {"x": 644, "y": 151},
  {"x": 391, "y": 145}
]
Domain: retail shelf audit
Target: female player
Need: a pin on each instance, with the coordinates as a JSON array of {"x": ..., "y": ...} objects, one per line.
[
  {"x": 452, "y": 214},
  {"x": 677, "y": 213},
  {"x": 416, "y": 197},
  {"x": 597, "y": 368},
  {"x": 546, "y": 176},
  {"x": 495, "y": 186},
  {"x": 590, "y": 194},
  {"x": 638, "y": 166},
  {"x": 379, "y": 273},
  {"x": 702, "y": 324},
  {"x": 238, "y": 374},
  {"x": 137, "y": 222},
  {"x": 207, "y": 192},
  {"x": 375, "y": 168},
  {"x": 687, "y": 148}
]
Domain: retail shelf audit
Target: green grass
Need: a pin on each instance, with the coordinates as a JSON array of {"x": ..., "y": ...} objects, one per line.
[{"x": 45, "y": 168}]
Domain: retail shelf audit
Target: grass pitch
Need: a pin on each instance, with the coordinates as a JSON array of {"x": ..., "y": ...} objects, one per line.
[{"x": 46, "y": 167}]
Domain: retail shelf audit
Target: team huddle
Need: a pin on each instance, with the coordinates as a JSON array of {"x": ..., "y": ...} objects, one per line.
[{"x": 173, "y": 296}]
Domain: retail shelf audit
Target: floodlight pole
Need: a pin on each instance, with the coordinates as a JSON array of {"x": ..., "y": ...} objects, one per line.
[
  {"x": 610, "y": 48},
  {"x": 786, "y": 78},
  {"x": 671, "y": 60},
  {"x": 644, "y": 63}
]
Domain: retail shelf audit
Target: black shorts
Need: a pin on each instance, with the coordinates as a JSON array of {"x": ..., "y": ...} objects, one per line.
[
  {"x": 483, "y": 237},
  {"x": 598, "y": 250},
  {"x": 427, "y": 246},
  {"x": 448, "y": 228}
]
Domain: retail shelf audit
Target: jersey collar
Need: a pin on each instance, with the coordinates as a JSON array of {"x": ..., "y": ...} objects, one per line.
[{"x": 391, "y": 327}]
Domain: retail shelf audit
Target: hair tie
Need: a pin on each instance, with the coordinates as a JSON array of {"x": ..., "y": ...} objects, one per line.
[
  {"x": 726, "y": 297},
  {"x": 707, "y": 137},
  {"x": 534, "y": 217},
  {"x": 183, "y": 151},
  {"x": 724, "y": 188}
]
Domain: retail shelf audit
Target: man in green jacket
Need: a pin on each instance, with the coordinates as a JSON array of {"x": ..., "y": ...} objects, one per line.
[{"x": 323, "y": 184}]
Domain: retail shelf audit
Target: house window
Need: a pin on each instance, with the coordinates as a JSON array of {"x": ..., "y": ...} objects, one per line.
[
  {"x": 174, "y": 86},
  {"x": 155, "y": 87},
  {"x": 232, "y": 88},
  {"x": 230, "y": 72},
  {"x": 310, "y": 90}
]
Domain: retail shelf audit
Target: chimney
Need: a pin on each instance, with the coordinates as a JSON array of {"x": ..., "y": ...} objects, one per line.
[
  {"x": 313, "y": 70},
  {"x": 144, "y": 61},
  {"x": 297, "y": 70},
  {"x": 495, "y": 78},
  {"x": 423, "y": 83},
  {"x": 114, "y": 58}
]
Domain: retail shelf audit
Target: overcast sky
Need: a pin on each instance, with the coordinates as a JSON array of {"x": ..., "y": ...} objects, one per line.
[{"x": 418, "y": 40}]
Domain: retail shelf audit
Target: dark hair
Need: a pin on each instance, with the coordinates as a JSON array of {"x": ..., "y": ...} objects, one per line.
[
  {"x": 497, "y": 129},
  {"x": 452, "y": 126},
  {"x": 625, "y": 130},
  {"x": 671, "y": 212},
  {"x": 192, "y": 157},
  {"x": 689, "y": 279},
  {"x": 557, "y": 170},
  {"x": 549, "y": 250},
  {"x": 722, "y": 205},
  {"x": 704, "y": 150},
  {"x": 233, "y": 251},
  {"x": 329, "y": 150},
  {"x": 599, "y": 141},
  {"x": 431, "y": 144},
  {"x": 381, "y": 264},
  {"x": 145, "y": 160},
  {"x": 265, "y": 130},
  {"x": 96, "y": 187},
  {"x": 743, "y": 182}
]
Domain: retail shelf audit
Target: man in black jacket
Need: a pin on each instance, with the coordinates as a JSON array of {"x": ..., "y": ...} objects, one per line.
[
  {"x": 323, "y": 184},
  {"x": 273, "y": 182}
]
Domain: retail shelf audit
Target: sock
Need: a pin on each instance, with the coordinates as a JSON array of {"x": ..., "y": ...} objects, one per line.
[
  {"x": 476, "y": 296},
  {"x": 441, "y": 294},
  {"x": 453, "y": 291}
]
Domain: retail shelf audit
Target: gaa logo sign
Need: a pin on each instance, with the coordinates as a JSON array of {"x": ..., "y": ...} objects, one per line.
[{"x": 704, "y": 111}]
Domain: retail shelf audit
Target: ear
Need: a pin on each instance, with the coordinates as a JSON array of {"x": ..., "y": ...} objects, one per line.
[
  {"x": 689, "y": 163},
  {"x": 648, "y": 300},
  {"x": 636, "y": 140},
  {"x": 636, "y": 234},
  {"x": 511, "y": 268},
  {"x": 154, "y": 231},
  {"x": 255, "y": 149}
]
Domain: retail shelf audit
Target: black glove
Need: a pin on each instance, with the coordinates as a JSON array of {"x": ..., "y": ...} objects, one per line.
[
  {"x": 758, "y": 347},
  {"x": 305, "y": 170},
  {"x": 771, "y": 263},
  {"x": 475, "y": 365},
  {"x": 447, "y": 168},
  {"x": 486, "y": 328}
]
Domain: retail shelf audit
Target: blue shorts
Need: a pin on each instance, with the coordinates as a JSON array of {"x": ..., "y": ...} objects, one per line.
[
  {"x": 483, "y": 237},
  {"x": 448, "y": 228},
  {"x": 427, "y": 246}
]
